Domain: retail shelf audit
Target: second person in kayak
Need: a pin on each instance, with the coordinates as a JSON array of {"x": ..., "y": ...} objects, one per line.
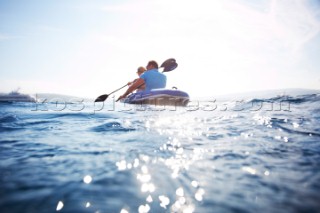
[{"x": 152, "y": 79}]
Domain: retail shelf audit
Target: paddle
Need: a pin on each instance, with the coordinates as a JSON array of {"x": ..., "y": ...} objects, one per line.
[{"x": 168, "y": 65}]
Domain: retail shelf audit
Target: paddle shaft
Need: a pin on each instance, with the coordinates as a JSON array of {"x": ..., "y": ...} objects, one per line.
[{"x": 117, "y": 90}]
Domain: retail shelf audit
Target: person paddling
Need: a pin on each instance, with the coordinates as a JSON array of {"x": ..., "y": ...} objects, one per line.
[
  {"x": 140, "y": 71},
  {"x": 152, "y": 79}
]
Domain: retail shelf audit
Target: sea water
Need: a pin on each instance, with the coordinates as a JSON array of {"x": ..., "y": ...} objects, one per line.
[{"x": 257, "y": 155}]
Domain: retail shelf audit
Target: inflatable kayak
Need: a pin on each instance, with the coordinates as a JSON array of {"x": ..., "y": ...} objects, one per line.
[{"x": 159, "y": 97}]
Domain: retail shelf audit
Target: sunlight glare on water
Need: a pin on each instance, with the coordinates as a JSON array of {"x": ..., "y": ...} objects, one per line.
[
  {"x": 146, "y": 161},
  {"x": 59, "y": 206},
  {"x": 87, "y": 179}
]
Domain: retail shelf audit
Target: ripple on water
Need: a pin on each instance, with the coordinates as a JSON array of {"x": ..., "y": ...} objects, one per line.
[{"x": 112, "y": 127}]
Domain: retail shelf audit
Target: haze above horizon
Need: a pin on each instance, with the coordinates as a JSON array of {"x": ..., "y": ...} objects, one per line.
[{"x": 88, "y": 48}]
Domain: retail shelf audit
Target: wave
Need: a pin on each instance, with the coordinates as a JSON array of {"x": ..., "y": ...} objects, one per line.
[
  {"x": 71, "y": 115},
  {"x": 8, "y": 118},
  {"x": 112, "y": 127},
  {"x": 287, "y": 126},
  {"x": 292, "y": 99},
  {"x": 16, "y": 104}
]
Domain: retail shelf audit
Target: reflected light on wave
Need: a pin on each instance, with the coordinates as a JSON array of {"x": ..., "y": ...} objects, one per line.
[
  {"x": 164, "y": 201},
  {"x": 87, "y": 179},
  {"x": 124, "y": 211},
  {"x": 59, "y": 206},
  {"x": 144, "y": 208}
]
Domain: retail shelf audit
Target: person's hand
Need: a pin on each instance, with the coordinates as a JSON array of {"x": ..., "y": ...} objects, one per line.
[{"x": 121, "y": 97}]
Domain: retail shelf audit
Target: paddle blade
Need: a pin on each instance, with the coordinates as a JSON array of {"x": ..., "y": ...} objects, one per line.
[
  {"x": 101, "y": 98},
  {"x": 169, "y": 65},
  {"x": 170, "y": 68}
]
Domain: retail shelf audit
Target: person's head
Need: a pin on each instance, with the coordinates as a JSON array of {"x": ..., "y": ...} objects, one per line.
[
  {"x": 140, "y": 70},
  {"x": 152, "y": 65}
]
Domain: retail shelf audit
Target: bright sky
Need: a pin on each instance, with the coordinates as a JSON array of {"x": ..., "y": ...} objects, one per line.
[{"x": 88, "y": 48}]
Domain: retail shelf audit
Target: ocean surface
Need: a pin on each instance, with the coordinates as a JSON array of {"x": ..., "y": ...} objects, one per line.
[{"x": 241, "y": 155}]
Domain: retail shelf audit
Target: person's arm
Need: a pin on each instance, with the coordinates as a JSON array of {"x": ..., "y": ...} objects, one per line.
[
  {"x": 132, "y": 88},
  {"x": 131, "y": 82}
]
